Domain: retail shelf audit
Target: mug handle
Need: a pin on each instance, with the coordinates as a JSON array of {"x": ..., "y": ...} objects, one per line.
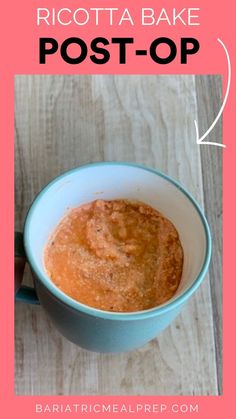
[{"x": 25, "y": 294}]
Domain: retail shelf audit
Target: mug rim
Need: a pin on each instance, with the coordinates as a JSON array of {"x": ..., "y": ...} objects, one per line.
[{"x": 161, "y": 309}]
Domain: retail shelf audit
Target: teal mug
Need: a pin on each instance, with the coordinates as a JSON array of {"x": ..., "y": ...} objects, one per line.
[{"x": 88, "y": 327}]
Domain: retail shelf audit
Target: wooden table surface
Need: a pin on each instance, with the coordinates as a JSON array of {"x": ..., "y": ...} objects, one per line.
[{"x": 64, "y": 121}]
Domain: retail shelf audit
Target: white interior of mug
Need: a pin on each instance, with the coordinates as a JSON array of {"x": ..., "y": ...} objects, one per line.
[{"x": 118, "y": 181}]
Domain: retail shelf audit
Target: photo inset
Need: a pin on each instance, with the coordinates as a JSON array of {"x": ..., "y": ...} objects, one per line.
[{"x": 118, "y": 235}]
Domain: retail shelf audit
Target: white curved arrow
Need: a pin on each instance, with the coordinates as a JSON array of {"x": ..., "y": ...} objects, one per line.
[{"x": 200, "y": 140}]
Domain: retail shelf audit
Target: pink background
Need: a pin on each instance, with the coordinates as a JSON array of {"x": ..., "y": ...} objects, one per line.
[{"x": 19, "y": 55}]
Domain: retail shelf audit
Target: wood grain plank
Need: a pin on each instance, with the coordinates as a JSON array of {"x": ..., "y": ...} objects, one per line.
[
  {"x": 64, "y": 121},
  {"x": 211, "y": 157}
]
